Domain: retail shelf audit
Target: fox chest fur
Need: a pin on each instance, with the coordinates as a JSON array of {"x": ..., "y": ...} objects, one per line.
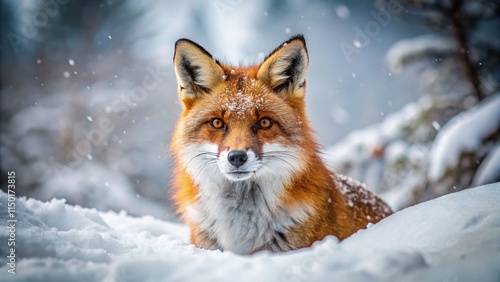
[
  {"x": 238, "y": 217},
  {"x": 248, "y": 176}
]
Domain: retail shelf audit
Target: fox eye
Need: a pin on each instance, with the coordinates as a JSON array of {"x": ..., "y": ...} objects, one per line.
[
  {"x": 217, "y": 123},
  {"x": 265, "y": 123}
]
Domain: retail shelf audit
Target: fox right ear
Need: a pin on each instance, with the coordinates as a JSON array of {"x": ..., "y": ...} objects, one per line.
[
  {"x": 285, "y": 69},
  {"x": 197, "y": 72}
]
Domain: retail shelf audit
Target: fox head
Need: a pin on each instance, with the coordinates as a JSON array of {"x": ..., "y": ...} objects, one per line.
[{"x": 242, "y": 123}]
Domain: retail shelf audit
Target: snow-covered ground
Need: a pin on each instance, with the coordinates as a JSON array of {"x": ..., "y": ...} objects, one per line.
[{"x": 452, "y": 238}]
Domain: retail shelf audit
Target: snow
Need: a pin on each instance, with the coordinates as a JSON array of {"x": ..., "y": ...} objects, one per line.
[
  {"x": 100, "y": 187},
  {"x": 350, "y": 154},
  {"x": 464, "y": 133},
  {"x": 343, "y": 12},
  {"x": 241, "y": 102},
  {"x": 414, "y": 49},
  {"x": 488, "y": 170},
  {"x": 452, "y": 238}
]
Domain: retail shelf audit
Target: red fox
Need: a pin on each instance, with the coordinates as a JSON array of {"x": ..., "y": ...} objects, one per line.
[{"x": 248, "y": 174}]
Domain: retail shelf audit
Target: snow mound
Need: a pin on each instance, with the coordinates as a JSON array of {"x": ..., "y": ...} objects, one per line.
[
  {"x": 95, "y": 185},
  {"x": 464, "y": 133},
  {"x": 452, "y": 238}
]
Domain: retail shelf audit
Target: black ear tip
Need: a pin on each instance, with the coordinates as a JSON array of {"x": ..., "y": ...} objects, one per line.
[
  {"x": 180, "y": 41},
  {"x": 299, "y": 37},
  {"x": 192, "y": 43},
  {"x": 184, "y": 40}
]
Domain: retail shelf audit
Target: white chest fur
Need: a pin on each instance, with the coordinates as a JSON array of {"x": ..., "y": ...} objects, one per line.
[{"x": 243, "y": 217}]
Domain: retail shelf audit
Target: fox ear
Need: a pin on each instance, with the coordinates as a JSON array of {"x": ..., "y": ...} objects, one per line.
[
  {"x": 285, "y": 69},
  {"x": 197, "y": 72}
]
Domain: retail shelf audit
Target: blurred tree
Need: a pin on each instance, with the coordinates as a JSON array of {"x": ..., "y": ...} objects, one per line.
[
  {"x": 7, "y": 53},
  {"x": 449, "y": 139},
  {"x": 472, "y": 27},
  {"x": 463, "y": 20},
  {"x": 85, "y": 119},
  {"x": 85, "y": 32},
  {"x": 65, "y": 47}
]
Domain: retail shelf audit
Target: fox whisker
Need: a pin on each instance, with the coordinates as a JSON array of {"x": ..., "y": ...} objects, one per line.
[
  {"x": 279, "y": 153},
  {"x": 207, "y": 166},
  {"x": 212, "y": 156},
  {"x": 283, "y": 156}
]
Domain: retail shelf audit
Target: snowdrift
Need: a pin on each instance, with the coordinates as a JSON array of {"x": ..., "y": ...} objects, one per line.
[{"x": 452, "y": 238}]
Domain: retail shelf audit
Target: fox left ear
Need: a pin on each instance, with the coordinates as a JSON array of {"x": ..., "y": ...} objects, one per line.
[
  {"x": 197, "y": 72},
  {"x": 285, "y": 69}
]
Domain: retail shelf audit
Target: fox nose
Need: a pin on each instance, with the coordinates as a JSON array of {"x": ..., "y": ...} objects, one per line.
[{"x": 237, "y": 158}]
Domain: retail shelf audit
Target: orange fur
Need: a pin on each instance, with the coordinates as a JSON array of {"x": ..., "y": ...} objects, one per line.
[{"x": 322, "y": 202}]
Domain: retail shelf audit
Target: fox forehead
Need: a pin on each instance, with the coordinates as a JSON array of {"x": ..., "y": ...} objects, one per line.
[
  {"x": 241, "y": 95},
  {"x": 242, "y": 98}
]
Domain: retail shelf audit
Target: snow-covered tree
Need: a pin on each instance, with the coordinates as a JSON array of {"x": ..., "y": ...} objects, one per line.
[
  {"x": 470, "y": 26},
  {"x": 449, "y": 139}
]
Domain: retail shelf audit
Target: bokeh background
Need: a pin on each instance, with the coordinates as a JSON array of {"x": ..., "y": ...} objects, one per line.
[{"x": 88, "y": 92}]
